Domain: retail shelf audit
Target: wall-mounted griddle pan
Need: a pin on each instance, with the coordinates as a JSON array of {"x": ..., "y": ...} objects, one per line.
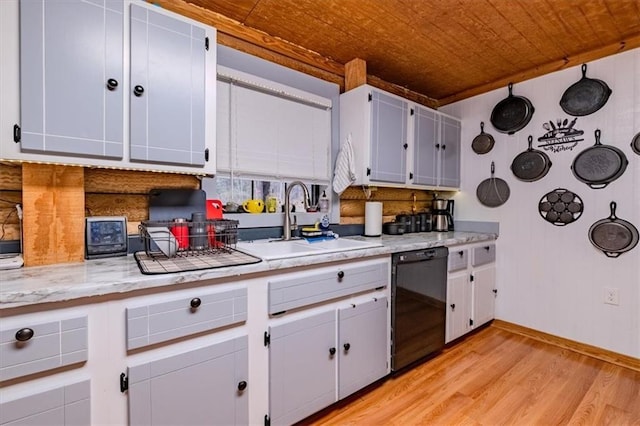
[
  {"x": 531, "y": 165},
  {"x": 599, "y": 165}
]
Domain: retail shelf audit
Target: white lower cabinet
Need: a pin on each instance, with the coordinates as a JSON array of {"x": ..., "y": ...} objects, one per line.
[
  {"x": 316, "y": 359},
  {"x": 43, "y": 372},
  {"x": 203, "y": 386},
  {"x": 64, "y": 405},
  {"x": 471, "y": 288}
]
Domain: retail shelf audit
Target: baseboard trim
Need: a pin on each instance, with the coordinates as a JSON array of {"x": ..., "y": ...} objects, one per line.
[{"x": 582, "y": 348}]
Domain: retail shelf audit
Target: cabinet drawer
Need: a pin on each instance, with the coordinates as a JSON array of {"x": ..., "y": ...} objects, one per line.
[
  {"x": 52, "y": 344},
  {"x": 64, "y": 405},
  {"x": 159, "y": 322},
  {"x": 484, "y": 254},
  {"x": 458, "y": 259},
  {"x": 329, "y": 283}
]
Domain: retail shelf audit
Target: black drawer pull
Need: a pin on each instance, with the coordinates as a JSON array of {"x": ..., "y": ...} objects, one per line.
[
  {"x": 332, "y": 351},
  {"x": 461, "y": 253},
  {"x": 112, "y": 84},
  {"x": 24, "y": 334},
  {"x": 347, "y": 346},
  {"x": 242, "y": 386},
  {"x": 340, "y": 275},
  {"x": 138, "y": 90},
  {"x": 453, "y": 306},
  {"x": 195, "y": 303},
  {"x": 487, "y": 248}
]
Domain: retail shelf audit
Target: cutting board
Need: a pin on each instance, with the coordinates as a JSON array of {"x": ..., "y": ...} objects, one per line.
[{"x": 168, "y": 204}]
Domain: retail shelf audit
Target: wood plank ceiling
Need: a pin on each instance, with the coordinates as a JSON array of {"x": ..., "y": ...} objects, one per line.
[{"x": 444, "y": 49}]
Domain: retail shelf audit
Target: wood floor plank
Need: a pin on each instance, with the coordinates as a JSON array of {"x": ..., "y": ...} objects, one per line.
[{"x": 497, "y": 377}]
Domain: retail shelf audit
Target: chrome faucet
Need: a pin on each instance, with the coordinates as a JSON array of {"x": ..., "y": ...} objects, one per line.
[{"x": 286, "y": 231}]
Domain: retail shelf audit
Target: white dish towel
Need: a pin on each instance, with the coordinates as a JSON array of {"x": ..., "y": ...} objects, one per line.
[{"x": 344, "y": 173}]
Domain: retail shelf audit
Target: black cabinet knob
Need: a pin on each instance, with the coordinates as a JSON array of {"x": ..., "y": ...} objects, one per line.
[
  {"x": 138, "y": 90},
  {"x": 405, "y": 146},
  {"x": 112, "y": 84},
  {"x": 347, "y": 346},
  {"x": 24, "y": 334},
  {"x": 453, "y": 306},
  {"x": 332, "y": 351},
  {"x": 242, "y": 386},
  {"x": 340, "y": 274},
  {"x": 195, "y": 302},
  {"x": 444, "y": 146},
  {"x": 410, "y": 175},
  {"x": 437, "y": 146}
]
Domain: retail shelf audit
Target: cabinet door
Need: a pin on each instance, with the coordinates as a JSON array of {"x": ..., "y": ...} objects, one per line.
[
  {"x": 206, "y": 386},
  {"x": 388, "y": 138},
  {"x": 69, "y": 53},
  {"x": 484, "y": 280},
  {"x": 458, "y": 305},
  {"x": 425, "y": 154},
  {"x": 363, "y": 344},
  {"x": 302, "y": 367},
  {"x": 450, "y": 135},
  {"x": 167, "y": 89},
  {"x": 63, "y": 406}
]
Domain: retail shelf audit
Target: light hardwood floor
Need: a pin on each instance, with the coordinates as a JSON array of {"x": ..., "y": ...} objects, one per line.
[{"x": 496, "y": 377}]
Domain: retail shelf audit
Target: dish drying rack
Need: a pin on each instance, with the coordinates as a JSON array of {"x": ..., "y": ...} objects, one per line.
[{"x": 171, "y": 239}]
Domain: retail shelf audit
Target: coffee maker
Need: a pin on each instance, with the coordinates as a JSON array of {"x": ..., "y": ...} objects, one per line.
[{"x": 442, "y": 213}]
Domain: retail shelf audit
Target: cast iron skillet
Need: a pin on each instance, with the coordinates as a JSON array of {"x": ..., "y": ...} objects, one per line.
[
  {"x": 493, "y": 192},
  {"x": 599, "y": 165},
  {"x": 612, "y": 235},
  {"x": 482, "y": 143},
  {"x": 585, "y": 96},
  {"x": 512, "y": 113},
  {"x": 531, "y": 165},
  {"x": 635, "y": 144}
]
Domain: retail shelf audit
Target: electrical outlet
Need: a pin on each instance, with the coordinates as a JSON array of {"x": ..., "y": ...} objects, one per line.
[{"x": 611, "y": 296}]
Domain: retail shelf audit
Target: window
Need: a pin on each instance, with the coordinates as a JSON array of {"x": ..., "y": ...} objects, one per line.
[{"x": 235, "y": 191}]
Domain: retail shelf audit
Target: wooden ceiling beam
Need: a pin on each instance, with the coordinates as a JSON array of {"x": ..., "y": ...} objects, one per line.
[{"x": 567, "y": 62}]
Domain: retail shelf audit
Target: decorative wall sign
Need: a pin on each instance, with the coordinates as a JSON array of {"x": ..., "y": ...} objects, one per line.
[{"x": 560, "y": 136}]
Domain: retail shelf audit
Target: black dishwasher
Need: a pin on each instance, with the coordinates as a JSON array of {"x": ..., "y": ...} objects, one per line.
[{"x": 418, "y": 309}]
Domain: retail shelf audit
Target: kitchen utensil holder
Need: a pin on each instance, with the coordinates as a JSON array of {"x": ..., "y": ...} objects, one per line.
[{"x": 221, "y": 237}]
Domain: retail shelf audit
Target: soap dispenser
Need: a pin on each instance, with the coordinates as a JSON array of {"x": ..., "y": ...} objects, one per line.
[{"x": 324, "y": 203}]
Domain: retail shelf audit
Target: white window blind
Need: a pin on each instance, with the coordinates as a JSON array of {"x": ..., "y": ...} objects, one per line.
[{"x": 271, "y": 131}]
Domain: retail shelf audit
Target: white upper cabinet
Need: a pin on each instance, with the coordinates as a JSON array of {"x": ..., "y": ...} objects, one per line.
[
  {"x": 167, "y": 94},
  {"x": 120, "y": 84},
  {"x": 436, "y": 149},
  {"x": 71, "y": 80},
  {"x": 270, "y": 130},
  {"x": 397, "y": 143}
]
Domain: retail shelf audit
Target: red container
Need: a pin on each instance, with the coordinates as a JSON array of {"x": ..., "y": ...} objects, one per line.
[{"x": 180, "y": 230}]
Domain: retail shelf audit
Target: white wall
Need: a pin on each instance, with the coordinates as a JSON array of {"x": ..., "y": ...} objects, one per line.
[{"x": 550, "y": 278}]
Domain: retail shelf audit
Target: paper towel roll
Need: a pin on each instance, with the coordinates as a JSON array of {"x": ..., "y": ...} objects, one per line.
[{"x": 373, "y": 219}]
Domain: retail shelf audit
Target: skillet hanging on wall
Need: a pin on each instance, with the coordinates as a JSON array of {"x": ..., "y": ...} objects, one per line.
[
  {"x": 512, "y": 113},
  {"x": 635, "y": 144},
  {"x": 482, "y": 143},
  {"x": 585, "y": 96},
  {"x": 599, "y": 165},
  {"x": 612, "y": 235},
  {"x": 531, "y": 165}
]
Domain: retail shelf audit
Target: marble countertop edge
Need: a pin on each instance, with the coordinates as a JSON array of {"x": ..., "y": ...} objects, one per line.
[{"x": 118, "y": 275}]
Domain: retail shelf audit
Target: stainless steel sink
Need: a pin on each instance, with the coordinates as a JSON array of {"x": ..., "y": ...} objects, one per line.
[{"x": 280, "y": 249}]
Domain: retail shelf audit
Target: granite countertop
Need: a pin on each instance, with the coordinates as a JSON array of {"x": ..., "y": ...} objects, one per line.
[{"x": 65, "y": 282}]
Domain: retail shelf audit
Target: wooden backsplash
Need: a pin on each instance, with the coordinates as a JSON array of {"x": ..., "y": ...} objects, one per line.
[
  {"x": 52, "y": 204},
  {"x": 56, "y": 200}
]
